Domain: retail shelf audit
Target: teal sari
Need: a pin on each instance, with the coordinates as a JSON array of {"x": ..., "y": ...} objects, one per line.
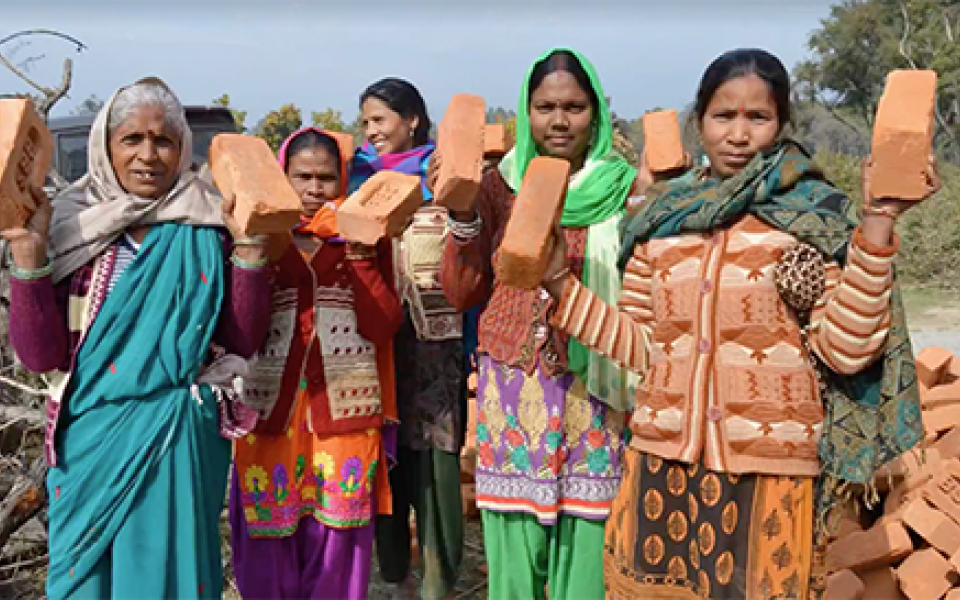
[{"x": 136, "y": 498}]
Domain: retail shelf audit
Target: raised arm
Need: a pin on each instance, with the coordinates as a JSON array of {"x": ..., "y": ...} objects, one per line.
[
  {"x": 850, "y": 322},
  {"x": 621, "y": 333},
  {"x": 466, "y": 273}
]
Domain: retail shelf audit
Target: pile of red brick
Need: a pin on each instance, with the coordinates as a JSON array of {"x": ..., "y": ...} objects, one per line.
[
  {"x": 468, "y": 457},
  {"x": 909, "y": 547}
]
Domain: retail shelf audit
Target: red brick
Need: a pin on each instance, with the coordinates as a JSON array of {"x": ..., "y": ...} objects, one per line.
[
  {"x": 26, "y": 149},
  {"x": 844, "y": 585},
  {"x": 943, "y": 491},
  {"x": 663, "y": 141},
  {"x": 524, "y": 252},
  {"x": 880, "y": 584},
  {"x": 953, "y": 369},
  {"x": 496, "y": 141},
  {"x": 949, "y": 445},
  {"x": 932, "y": 363},
  {"x": 883, "y": 544},
  {"x": 933, "y": 526},
  {"x": 941, "y": 419},
  {"x": 902, "y": 134},
  {"x": 244, "y": 168},
  {"x": 924, "y": 575},
  {"x": 460, "y": 146},
  {"x": 381, "y": 207},
  {"x": 942, "y": 395},
  {"x": 468, "y": 492}
]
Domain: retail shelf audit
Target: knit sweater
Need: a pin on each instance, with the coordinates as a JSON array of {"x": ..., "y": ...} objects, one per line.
[{"x": 727, "y": 379}]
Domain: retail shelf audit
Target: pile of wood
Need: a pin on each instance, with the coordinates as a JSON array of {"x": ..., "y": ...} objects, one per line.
[{"x": 910, "y": 546}]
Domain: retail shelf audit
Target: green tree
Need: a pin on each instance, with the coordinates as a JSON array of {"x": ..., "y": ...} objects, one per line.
[
  {"x": 862, "y": 40},
  {"x": 90, "y": 106},
  {"x": 239, "y": 116},
  {"x": 329, "y": 120},
  {"x": 356, "y": 128},
  {"x": 278, "y": 124}
]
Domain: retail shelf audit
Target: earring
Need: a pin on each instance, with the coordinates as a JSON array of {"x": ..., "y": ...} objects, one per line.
[{"x": 411, "y": 132}]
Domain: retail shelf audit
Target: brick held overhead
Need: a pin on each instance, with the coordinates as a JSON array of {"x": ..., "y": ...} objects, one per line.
[
  {"x": 902, "y": 135},
  {"x": 496, "y": 141},
  {"x": 245, "y": 169},
  {"x": 381, "y": 207},
  {"x": 460, "y": 148},
  {"x": 524, "y": 252},
  {"x": 663, "y": 141},
  {"x": 26, "y": 150}
]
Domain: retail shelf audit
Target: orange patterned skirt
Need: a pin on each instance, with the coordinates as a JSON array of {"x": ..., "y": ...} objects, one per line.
[{"x": 681, "y": 531}]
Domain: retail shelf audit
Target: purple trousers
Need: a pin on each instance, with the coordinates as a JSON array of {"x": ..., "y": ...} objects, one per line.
[{"x": 314, "y": 563}]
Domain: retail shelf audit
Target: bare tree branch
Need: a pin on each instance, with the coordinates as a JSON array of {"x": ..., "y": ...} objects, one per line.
[
  {"x": 13, "y": 68},
  {"x": 25, "y": 499}
]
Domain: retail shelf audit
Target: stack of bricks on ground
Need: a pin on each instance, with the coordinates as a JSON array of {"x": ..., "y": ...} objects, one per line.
[{"x": 908, "y": 546}]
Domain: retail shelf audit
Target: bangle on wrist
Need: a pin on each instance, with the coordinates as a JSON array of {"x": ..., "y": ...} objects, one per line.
[
  {"x": 248, "y": 264},
  {"x": 252, "y": 240},
  {"x": 31, "y": 274},
  {"x": 564, "y": 272},
  {"x": 885, "y": 210}
]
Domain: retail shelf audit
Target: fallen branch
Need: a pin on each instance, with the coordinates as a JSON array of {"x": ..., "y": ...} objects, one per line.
[{"x": 24, "y": 501}]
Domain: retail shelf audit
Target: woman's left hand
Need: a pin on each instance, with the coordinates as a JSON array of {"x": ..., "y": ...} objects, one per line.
[
  {"x": 253, "y": 249},
  {"x": 894, "y": 206}
]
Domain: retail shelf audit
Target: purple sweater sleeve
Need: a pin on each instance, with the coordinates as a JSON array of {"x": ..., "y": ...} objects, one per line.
[
  {"x": 38, "y": 323},
  {"x": 245, "y": 318}
]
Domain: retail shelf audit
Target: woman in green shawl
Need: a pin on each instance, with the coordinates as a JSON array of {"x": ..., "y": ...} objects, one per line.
[
  {"x": 133, "y": 310},
  {"x": 764, "y": 317},
  {"x": 550, "y": 413}
]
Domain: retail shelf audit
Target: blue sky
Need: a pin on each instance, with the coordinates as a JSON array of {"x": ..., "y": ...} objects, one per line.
[{"x": 321, "y": 54}]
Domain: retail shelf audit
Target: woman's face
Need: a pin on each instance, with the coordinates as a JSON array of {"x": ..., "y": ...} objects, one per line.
[
  {"x": 314, "y": 176},
  {"x": 740, "y": 120},
  {"x": 145, "y": 153},
  {"x": 561, "y": 117},
  {"x": 385, "y": 129}
]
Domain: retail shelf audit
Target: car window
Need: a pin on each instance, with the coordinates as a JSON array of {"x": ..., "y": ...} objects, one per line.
[{"x": 72, "y": 156}]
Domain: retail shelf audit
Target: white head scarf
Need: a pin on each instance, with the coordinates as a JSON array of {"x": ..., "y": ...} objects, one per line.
[{"x": 90, "y": 214}]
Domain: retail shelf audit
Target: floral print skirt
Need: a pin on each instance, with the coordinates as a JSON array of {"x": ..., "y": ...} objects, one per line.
[{"x": 545, "y": 446}]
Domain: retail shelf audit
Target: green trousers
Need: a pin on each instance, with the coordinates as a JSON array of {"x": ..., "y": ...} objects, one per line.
[
  {"x": 524, "y": 556},
  {"x": 428, "y": 481}
]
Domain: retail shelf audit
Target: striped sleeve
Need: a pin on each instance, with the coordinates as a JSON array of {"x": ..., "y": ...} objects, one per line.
[
  {"x": 850, "y": 322},
  {"x": 621, "y": 332}
]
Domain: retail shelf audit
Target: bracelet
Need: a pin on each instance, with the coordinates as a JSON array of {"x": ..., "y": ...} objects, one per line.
[
  {"x": 252, "y": 240},
  {"x": 870, "y": 209},
  {"x": 361, "y": 253},
  {"x": 31, "y": 274},
  {"x": 247, "y": 264},
  {"x": 464, "y": 232},
  {"x": 564, "y": 272}
]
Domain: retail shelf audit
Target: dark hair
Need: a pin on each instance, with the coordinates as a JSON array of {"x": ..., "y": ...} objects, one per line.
[
  {"x": 742, "y": 62},
  {"x": 562, "y": 60},
  {"x": 309, "y": 140},
  {"x": 405, "y": 100}
]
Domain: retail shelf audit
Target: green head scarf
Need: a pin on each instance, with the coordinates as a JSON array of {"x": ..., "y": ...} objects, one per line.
[{"x": 596, "y": 197}]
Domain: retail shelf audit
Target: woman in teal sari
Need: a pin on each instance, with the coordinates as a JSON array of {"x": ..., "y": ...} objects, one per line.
[{"x": 137, "y": 320}]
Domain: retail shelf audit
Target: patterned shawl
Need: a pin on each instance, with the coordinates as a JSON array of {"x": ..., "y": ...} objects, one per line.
[
  {"x": 871, "y": 417},
  {"x": 595, "y": 199},
  {"x": 412, "y": 162}
]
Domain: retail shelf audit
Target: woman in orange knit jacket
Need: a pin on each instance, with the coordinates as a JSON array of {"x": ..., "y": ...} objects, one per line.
[{"x": 765, "y": 322}]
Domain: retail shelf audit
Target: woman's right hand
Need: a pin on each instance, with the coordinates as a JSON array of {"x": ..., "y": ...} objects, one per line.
[
  {"x": 433, "y": 171},
  {"x": 28, "y": 244}
]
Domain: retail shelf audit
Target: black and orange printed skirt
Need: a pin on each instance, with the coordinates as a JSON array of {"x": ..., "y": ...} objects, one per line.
[{"x": 681, "y": 531}]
